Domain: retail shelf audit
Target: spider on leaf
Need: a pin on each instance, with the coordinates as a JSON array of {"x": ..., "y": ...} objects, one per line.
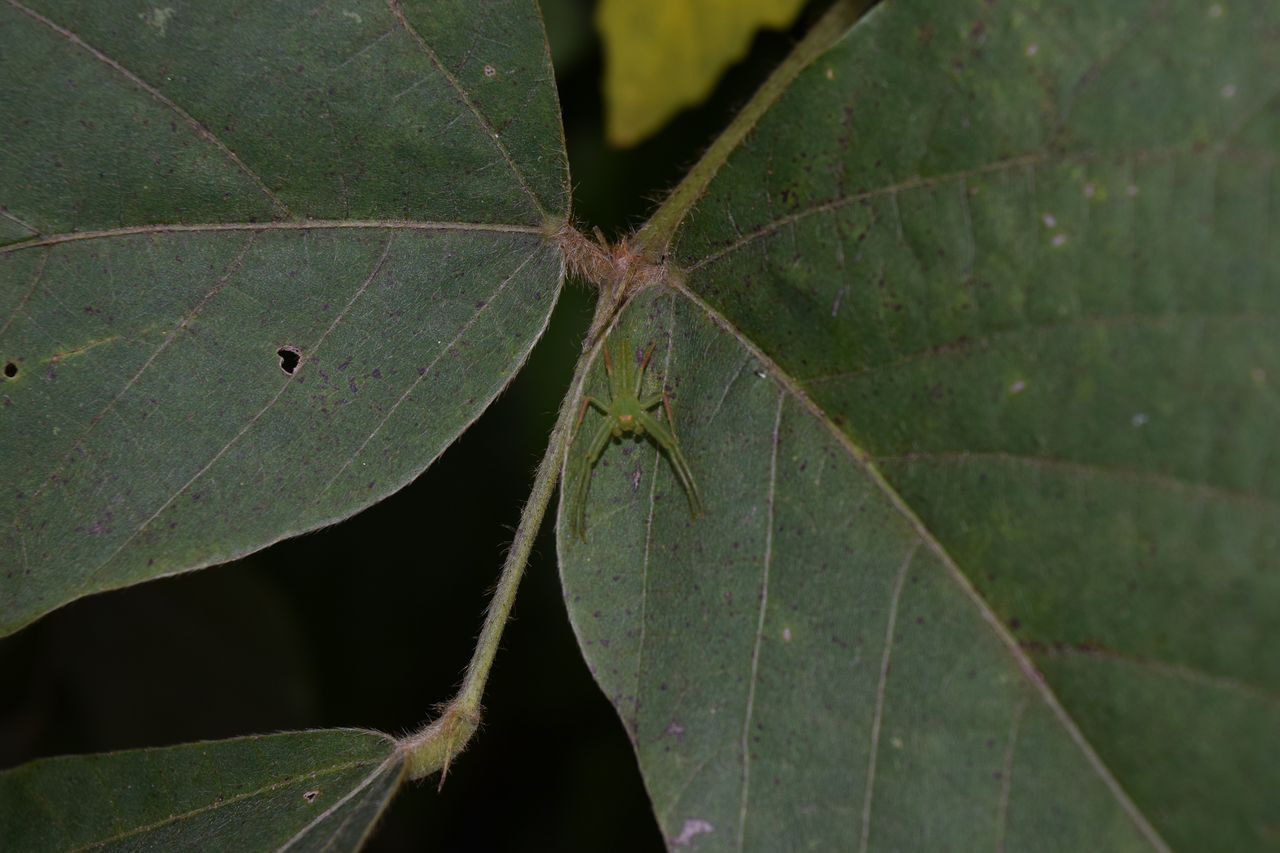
[{"x": 628, "y": 412}]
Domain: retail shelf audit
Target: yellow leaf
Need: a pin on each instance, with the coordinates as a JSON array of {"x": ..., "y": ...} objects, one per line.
[{"x": 664, "y": 55}]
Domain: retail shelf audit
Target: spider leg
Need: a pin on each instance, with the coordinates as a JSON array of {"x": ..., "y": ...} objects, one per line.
[
  {"x": 589, "y": 459},
  {"x": 666, "y": 404},
  {"x": 608, "y": 360},
  {"x": 644, "y": 365},
  {"x": 667, "y": 441},
  {"x": 663, "y": 398},
  {"x": 588, "y": 400}
]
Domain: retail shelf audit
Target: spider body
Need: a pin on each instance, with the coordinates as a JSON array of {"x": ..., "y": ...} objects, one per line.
[{"x": 627, "y": 412}]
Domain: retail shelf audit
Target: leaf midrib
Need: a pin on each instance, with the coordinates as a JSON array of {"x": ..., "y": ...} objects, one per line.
[
  {"x": 321, "y": 773},
  {"x": 290, "y": 225}
]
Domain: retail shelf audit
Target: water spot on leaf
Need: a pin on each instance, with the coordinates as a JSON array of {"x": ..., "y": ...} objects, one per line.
[
  {"x": 159, "y": 19},
  {"x": 1033, "y": 49},
  {"x": 692, "y": 829},
  {"x": 1229, "y": 91},
  {"x": 1058, "y": 240},
  {"x": 1017, "y": 386},
  {"x": 290, "y": 357},
  {"x": 1049, "y": 220},
  {"x": 1140, "y": 419}
]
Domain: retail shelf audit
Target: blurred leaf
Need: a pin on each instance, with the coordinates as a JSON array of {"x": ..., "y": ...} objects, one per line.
[
  {"x": 270, "y": 261},
  {"x": 973, "y": 352},
  {"x": 320, "y": 790},
  {"x": 664, "y": 55}
]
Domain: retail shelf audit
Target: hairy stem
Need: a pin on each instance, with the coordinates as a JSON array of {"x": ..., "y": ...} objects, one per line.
[
  {"x": 432, "y": 748},
  {"x": 656, "y": 235}
]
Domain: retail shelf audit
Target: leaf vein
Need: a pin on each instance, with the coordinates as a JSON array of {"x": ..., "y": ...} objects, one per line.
[
  {"x": 1179, "y": 671},
  {"x": 265, "y": 789},
  {"x": 197, "y": 126},
  {"x": 288, "y": 383},
  {"x": 485, "y": 124},
  {"x": 764, "y": 606},
  {"x": 881, "y": 688},
  {"x": 7, "y": 215},
  {"x": 1163, "y": 482},
  {"x": 303, "y": 225},
  {"x": 358, "y": 789},
  {"x": 26, "y": 297},
  {"x": 1006, "y": 775},
  {"x": 232, "y": 268},
  {"x": 425, "y": 372},
  {"x": 967, "y": 345},
  {"x": 648, "y": 546},
  {"x": 860, "y": 458},
  {"x": 891, "y": 191}
]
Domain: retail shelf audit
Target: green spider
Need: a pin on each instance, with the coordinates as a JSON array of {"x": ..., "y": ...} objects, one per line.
[{"x": 628, "y": 412}]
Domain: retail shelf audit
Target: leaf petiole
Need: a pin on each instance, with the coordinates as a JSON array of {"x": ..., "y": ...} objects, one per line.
[{"x": 433, "y": 747}]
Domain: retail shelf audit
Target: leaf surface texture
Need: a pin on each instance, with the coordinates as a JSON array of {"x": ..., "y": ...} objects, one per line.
[
  {"x": 973, "y": 355},
  {"x": 263, "y": 265}
]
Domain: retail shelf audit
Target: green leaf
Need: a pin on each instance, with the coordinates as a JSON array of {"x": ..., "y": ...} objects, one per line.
[
  {"x": 973, "y": 355},
  {"x": 664, "y": 55},
  {"x": 265, "y": 263},
  {"x": 318, "y": 790}
]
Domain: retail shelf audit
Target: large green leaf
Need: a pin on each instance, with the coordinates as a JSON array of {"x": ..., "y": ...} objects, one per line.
[
  {"x": 973, "y": 345},
  {"x": 198, "y": 195},
  {"x": 320, "y": 790}
]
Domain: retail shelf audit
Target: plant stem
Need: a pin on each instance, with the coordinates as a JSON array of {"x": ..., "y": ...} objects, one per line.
[
  {"x": 434, "y": 746},
  {"x": 656, "y": 235}
]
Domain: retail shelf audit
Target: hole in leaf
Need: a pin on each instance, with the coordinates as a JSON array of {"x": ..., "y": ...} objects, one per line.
[
  {"x": 289, "y": 359},
  {"x": 310, "y": 796},
  {"x": 10, "y": 370}
]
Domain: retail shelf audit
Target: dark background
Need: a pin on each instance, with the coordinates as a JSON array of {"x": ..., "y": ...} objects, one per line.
[{"x": 370, "y": 623}]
